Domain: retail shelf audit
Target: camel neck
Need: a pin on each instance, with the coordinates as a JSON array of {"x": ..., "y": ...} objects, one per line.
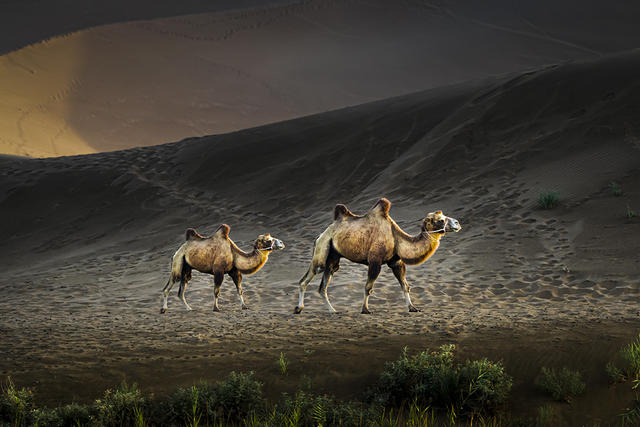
[
  {"x": 251, "y": 262},
  {"x": 416, "y": 249}
]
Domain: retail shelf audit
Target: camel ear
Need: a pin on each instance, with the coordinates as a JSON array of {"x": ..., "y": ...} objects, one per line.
[{"x": 439, "y": 213}]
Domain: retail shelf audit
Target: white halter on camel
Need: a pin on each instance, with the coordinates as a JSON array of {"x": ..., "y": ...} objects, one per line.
[
  {"x": 270, "y": 248},
  {"x": 429, "y": 233}
]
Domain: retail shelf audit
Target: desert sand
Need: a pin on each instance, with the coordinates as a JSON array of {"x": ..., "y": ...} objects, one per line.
[
  {"x": 86, "y": 241},
  {"x": 84, "y": 87}
]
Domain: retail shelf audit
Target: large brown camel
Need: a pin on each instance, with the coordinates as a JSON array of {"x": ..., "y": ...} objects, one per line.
[
  {"x": 217, "y": 255},
  {"x": 373, "y": 239}
]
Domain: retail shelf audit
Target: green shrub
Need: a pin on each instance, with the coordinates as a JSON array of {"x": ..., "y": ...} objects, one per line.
[
  {"x": 626, "y": 365},
  {"x": 120, "y": 406},
  {"x": 16, "y": 405},
  {"x": 631, "y": 415},
  {"x": 73, "y": 415},
  {"x": 306, "y": 409},
  {"x": 562, "y": 384},
  {"x": 239, "y": 395},
  {"x": 434, "y": 379},
  {"x": 548, "y": 199},
  {"x": 187, "y": 404},
  {"x": 547, "y": 416},
  {"x": 283, "y": 363},
  {"x": 615, "y": 189},
  {"x": 631, "y": 213}
]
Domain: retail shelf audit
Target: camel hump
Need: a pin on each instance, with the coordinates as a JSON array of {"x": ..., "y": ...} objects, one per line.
[
  {"x": 341, "y": 211},
  {"x": 192, "y": 234},
  {"x": 223, "y": 231},
  {"x": 383, "y": 206}
]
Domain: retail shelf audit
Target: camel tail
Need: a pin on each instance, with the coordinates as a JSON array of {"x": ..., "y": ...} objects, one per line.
[{"x": 177, "y": 265}]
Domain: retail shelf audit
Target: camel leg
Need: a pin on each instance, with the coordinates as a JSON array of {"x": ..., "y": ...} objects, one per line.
[
  {"x": 217, "y": 283},
  {"x": 236, "y": 276},
  {"x": 322, "y": 290},
  {"x": 165, "y": 295},
  {"x": 181, "y": 292},
  {"x": 332, "y": 265},
  {"x": 399, "y": 269},
  {"x": 304, "y": 282},
  {"x": 372, "y": 275}
]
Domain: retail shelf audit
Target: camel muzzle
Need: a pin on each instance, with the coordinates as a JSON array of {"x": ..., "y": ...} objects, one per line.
[
  {"x": 278, "y": 244},
  {"x": 453, "y": 225}
]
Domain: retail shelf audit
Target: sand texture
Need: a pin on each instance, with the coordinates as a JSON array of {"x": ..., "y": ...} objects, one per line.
[
  {"x": 86, "y": 241},
  {"x": 90, "y": 88}
]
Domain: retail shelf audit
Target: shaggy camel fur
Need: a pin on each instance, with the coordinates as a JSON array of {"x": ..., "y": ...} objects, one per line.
[
  {"x": 373, "y": 239},
  {"x": 217, "y": 255}
]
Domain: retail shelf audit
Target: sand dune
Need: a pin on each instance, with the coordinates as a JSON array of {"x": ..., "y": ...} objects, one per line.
[
  {"x": 140, "y": 83},
  {"x": 86, "y": 240}
]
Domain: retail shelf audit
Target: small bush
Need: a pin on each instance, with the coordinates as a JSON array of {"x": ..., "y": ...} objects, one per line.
[
  {"x": 615, "y": 374},
  {"x": 563, "y": 384},
  {"x": 547, "y": 417},
  {"x": 434, "y": 379},
  {"x": 120, "y": 406},
  {"x": 631, "y": 415},
  {"x": 16, "y": 405},
  {"x": 188, "y": 404},
  {"x": 627, "y": 363},
  {"x": 615, "y": 189},
  {"x": 306, "y": 409},
  {"x": 73, "y": 415},
  {"x": 548, "y": 199},
  {"x": 283, "y": 363},
  {"x": 631, "y": 213},
  {"x": 239, "y": 395}
]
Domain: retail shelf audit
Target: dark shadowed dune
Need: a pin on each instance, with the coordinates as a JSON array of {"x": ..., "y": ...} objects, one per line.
[
  {"x": 139, "y": 83},
  {"x": 86, "y": 240}
]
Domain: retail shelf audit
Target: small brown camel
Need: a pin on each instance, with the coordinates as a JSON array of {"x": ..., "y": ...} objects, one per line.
[
  {"x": 373, "y": 239},
  {"x": 217, "y": 255}
]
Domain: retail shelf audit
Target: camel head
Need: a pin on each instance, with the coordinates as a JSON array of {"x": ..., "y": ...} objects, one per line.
[
  {"x": 439, "y": 223},
  {"x": 265, "y": 242}
]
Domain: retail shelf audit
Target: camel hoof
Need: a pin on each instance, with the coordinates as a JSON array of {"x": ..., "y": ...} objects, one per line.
[
  {"x": 216, "y": 309},
  {"x": 413, "y": 309},
  {"x": 244, "y": 307},
  {"x": 163, "y": 310},
  {"x": 365, "y": 311},
  {"x": 297, "y": 310}
]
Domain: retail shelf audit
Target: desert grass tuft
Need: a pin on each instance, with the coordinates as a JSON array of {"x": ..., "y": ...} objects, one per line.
[
  {"x": 548, "y": 199},
  {"x": 616, "y": 190},
  {"x": 283, "y": 363},
  {"x": 630, "y": 212},
  {"x": 626, "y": 364},
  {"x": 561, "y": 384}
]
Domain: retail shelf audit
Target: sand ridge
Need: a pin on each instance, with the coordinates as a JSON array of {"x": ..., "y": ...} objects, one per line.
[
  {"x": 87, "y": 240},
  {"x": 139, "y": 83}
]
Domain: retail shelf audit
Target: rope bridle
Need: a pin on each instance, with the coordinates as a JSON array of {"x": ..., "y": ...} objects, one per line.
[{"x": 427, "y": 233}]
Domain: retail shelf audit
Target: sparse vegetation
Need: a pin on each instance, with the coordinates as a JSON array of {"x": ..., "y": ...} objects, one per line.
[
  {"x": 548, "y": 199},
  {"x": 437, "y": 380},
  {"x": 547, "y": 416},
  {"x": 16, "y": 405},
  {"x": 631, "y": 415},
  {"x": 631, "y": 213},
  {"x": 283, "y": 363},
  {"x": 119, "y": 406},
  {"x": 626, "y": 364},
  {"x": 562, "y": 384},
  {"x": 615, "y": 189}
]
